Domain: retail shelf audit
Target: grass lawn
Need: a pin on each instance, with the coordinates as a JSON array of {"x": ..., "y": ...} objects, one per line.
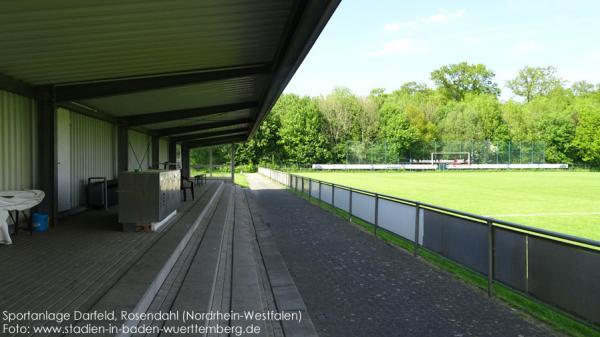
[{"x": 561, "y": 201}]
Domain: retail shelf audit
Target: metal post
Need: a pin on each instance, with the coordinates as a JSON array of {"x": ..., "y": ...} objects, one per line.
[
  {"x": 490, "y": 257},
  {"x": 232, "y": 163},
  {"x": 531, "y": 159},
  {"x": 47, "y": 151},
  {"x": 155, "y": 152},
  {"x": 376, "y": 213},
  {"x": 122, "y": 149},
  {"x": 520, "y": 156},
  {"x": 309, "y": 188},
  {"x": 210, "y": 161},
  {"x": 105, "y": 194},
  {"x": 543, "y": 153},
  {"x": 417, "y": 225},
  {"x": 172, "y": 155},
  {"x": 319, "y": 193},
  {"x": 185, "y": 161},
  {"x": 350, "y": 207},
  {"x": 333, "y": 195}
]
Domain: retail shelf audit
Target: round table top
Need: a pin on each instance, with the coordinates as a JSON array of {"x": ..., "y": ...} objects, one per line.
[{"x": 20, "y": 200}]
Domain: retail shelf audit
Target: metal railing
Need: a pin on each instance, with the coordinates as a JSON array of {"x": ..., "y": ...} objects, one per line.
[{"x": 559, "y": 269}]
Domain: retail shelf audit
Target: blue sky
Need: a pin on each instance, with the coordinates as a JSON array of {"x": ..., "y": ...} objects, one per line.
[{"x": 384, "y": 43}]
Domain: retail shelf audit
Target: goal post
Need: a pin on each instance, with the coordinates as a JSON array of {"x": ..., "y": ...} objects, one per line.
[{"x": 451, "y": 157}]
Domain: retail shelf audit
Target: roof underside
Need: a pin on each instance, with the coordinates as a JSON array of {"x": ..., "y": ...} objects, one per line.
[{"x": 162, "y": 66}]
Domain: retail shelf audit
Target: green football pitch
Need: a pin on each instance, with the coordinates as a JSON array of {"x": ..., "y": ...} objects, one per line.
[{"x": 560, "y": 201}]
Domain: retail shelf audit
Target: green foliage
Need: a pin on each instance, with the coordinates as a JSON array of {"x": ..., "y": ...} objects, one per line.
[
  {"x": 301, "y": 133},
  {"x": 553, "y": 121},
  {"x": 532, "y": 82},
  {"x": 463, "y": 107},
  {"x": 456, "y": 80},
  {"x": 587, "y": 135},
  {"x": 477, "y": 117}
]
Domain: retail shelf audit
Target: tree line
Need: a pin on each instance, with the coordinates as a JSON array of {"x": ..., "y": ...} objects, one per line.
[{"x": 463, "y": 105}]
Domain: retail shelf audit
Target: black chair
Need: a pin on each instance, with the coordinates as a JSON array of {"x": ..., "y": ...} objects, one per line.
[
  {"x": 200, "y": 179},
  {"x": 187, "y": 184}
]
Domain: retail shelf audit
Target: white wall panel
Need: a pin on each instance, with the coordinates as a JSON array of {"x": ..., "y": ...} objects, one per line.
[
  {"x": 93, "y": 153},
  {"x": 18, "y": 146}
]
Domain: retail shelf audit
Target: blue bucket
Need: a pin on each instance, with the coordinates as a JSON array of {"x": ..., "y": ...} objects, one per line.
[{"x": 40, "y": 222}]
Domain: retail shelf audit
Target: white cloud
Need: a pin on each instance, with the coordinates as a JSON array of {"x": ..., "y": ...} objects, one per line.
[
  {"x": 525, "y": 48},
  {"x": 443, "y": 16},
  {"x": 392, "y": 27},
  {"x": 395, "y": 47},
  {"x": 397, "y": 26}
]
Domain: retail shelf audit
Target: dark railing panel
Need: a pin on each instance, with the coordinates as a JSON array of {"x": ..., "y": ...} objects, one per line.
[
  {"x": 566, "y": 276},
  {"x": 559, "y": 269},
  {"x": 510, "y": 254},
  {"x": 342, "y": 199},
  {"x": 363, "y": 207},
  {"x": 326, "y": 193},
  {"x": 314, "y": 189},
  {"x": 458, "y": 239},
  {"x": 397, "y": 218}
]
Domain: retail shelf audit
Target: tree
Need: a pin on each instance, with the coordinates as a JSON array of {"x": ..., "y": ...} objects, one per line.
[
  {"x": 262, "y": 147},
  {"x": 456, "y": 80},
  {"x": 532, "y": 82},
  {"x": 339, "y": 109},
  {"x": 378, "y": 95},
  {"x": 395, "y": 128},
  {"x": 367, "y": 119},
  {"x": 477, "y": 117},
  {"x": 587, "y": 134},
  {"x": 301, "y": 135},
  {"x": 413, "y": 88},
  {"x": 553, "y": 121},
  {"x": 582, "y": 88}
]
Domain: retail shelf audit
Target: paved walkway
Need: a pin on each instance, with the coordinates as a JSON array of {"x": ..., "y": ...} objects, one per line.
[{"x": 356, "y": 285}]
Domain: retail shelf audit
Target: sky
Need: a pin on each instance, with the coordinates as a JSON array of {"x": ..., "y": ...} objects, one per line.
[{"x": 385, "y": 43}]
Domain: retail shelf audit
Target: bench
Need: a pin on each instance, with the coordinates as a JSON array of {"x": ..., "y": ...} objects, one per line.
[{"x": 200, "y": 179}]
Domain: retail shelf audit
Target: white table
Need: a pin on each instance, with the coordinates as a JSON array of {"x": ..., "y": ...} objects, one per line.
[{"x": 15, "y": 201}]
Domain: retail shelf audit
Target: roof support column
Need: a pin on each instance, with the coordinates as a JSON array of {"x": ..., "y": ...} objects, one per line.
[
  {"x": 232, "y": 163},
  {"x": 172, "y": 155},
  {"x": 122, "y": 148},
  {"x": 210, "y": 163},
  {"x": 47, "y": 151},
  {"x": 185, "y": 161},
  {"x": 155, "y": 152}
]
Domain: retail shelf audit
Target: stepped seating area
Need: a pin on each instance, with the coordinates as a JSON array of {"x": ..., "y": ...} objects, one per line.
[{"x": 214, "y": 257}]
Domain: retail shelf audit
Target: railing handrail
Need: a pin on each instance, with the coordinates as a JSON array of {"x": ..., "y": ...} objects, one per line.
[{"x": 508, "y": 225}]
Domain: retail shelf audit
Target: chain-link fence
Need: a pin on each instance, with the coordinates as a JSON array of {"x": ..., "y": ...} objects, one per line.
[{"x": 476, "y": 152}]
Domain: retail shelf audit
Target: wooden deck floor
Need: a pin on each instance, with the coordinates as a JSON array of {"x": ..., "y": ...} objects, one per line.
[
  {"x": 70, "y": 266},
  {"x": 213, "y": 257}
]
